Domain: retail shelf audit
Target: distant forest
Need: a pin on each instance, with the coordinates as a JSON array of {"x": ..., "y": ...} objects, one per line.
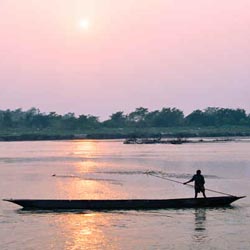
[{"x": 140, "y": 118}]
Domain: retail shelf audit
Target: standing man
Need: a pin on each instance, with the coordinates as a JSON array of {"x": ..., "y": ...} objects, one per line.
[{"x": 199, "y": 182}]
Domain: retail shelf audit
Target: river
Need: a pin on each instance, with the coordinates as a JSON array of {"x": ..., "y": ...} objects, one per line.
[{"x": 106, "y": 169}]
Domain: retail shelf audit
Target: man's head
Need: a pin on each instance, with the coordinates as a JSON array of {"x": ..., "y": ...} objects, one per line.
[{"x": 198, "y": 172}]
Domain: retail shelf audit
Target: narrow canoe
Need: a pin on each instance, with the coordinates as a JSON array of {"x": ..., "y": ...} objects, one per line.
[{"x": 139, "y": 204}]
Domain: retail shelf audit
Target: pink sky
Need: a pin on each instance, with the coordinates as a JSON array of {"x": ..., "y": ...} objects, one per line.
[{"x": 150, "y": 53}]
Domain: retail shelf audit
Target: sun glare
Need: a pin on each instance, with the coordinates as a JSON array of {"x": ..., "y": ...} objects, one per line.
[{"x": 84, "y": 24}]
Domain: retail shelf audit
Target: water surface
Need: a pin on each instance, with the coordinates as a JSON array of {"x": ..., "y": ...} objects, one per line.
[{"x": 110, "y": 169}]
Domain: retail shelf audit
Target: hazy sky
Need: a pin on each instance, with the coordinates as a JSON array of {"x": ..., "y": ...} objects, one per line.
[{"x": 102, "y": 56}]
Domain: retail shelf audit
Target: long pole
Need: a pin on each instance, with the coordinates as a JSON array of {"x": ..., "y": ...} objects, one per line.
[{"x": 190, "y": 185}]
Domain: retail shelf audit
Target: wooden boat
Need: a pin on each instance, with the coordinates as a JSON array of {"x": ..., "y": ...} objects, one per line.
[{"x": 140, "y": 204}]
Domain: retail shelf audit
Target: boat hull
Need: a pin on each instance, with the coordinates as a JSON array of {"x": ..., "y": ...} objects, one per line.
[{"x": 134, "y": 204}]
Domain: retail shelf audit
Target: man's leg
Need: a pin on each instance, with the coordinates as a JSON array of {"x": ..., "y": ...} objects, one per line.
[{"x": 204, "y": 195}]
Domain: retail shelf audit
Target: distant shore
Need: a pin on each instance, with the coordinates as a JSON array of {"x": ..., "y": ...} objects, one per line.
[{"x": 119, "y": 133}]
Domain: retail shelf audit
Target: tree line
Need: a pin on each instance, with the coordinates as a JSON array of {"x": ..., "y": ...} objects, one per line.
[{"x": 139, "y": 118}]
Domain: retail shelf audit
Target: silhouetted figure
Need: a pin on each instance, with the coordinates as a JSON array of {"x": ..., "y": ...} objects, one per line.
[{"x": 199, "y": 182}]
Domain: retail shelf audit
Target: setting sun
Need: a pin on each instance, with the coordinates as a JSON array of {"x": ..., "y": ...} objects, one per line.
[{"x": 84, "y": 24}]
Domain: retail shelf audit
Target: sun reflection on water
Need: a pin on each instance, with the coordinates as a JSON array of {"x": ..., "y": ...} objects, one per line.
[
  {"x": 85, "y": 231},
  {"x": 86, "y": 179},
  {"x": 89, "y": 151},
  {"x": 85, "y": 148},
  {"x": 75, "y": 188}
]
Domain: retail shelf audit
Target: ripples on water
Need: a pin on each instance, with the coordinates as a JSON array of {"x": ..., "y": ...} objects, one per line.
[{"x": 110, "y": 169}]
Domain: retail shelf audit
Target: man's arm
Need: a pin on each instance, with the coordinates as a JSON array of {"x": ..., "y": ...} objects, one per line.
[{"x": 188, "y": 181}]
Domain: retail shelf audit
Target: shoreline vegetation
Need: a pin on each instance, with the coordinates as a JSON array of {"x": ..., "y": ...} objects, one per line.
[
  {"x": 139, "y": 135},
  {"x": 168, "y": 125}
]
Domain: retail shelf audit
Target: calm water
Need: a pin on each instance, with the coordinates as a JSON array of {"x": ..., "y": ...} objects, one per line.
[{"x": 110, "y": 169}]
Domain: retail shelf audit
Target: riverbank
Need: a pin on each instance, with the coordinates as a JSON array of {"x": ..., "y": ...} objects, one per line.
[{"x": 123, "y": 133}]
